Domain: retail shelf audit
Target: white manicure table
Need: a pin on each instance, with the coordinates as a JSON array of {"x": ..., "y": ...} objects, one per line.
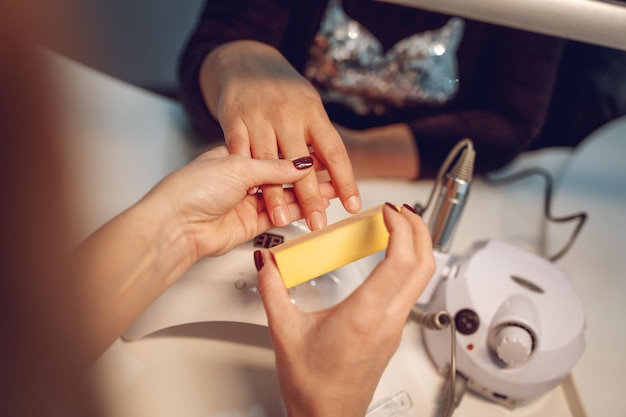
[{"x": 203, "y": 350}]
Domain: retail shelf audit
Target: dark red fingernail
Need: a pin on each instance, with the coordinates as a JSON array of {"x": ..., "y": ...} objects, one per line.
[
  {"x": 409, "y": 208},
  {"x": 392, "y": 206},
  {"x": 303, "y": 163},
  {"x": 258, "y": 260}
]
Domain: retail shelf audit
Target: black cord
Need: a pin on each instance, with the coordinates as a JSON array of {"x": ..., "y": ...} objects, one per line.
[{"x": 582, "y": 216}]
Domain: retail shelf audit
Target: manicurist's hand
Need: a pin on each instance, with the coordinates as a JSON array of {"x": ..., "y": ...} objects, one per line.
[
  {"x": 202, "y": 209},
  {"x": 210, "y": 197},
  {"x": 267, "y": 109},
  {"x": 329, "y": 362}
]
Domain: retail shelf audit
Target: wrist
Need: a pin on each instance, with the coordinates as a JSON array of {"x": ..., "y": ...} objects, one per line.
[
  {"x": 383, "y": 152},
  {"x": 341, "y": 408},
  {"x": 345, "y": 399},
  {"x": 171, "y": 240}
]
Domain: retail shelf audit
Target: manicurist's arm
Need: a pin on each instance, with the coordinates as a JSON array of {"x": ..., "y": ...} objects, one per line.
[{"x": 203, "y": 209}]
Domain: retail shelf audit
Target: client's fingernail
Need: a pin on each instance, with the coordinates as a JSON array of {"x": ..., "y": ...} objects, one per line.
[
  {"x": 280, "y": 217},
  {"x": 303, "y": 163},
  {"x": 258, "y": 260},
  {"x": 354, "y": 204},
  {"x": 392, "y": 207},
  {"x": 316, "y": 220},
  {"x": 409, "y": 208}
]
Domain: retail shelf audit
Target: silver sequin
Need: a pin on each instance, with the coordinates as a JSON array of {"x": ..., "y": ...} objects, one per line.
[{"x": 347, "y": 65}]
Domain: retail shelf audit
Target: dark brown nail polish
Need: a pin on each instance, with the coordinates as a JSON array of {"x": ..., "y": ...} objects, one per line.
[
  {"x": 409, "y": 208},
  {"x": 303, "y": 163},
  {"x": 258, "y": 260},
  {"x": 392, "y": 206}
]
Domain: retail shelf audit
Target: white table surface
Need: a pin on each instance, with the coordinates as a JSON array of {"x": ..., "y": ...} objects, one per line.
[
  {"x": 594, "y": 180},
  {"x": 121, "y": 140}
]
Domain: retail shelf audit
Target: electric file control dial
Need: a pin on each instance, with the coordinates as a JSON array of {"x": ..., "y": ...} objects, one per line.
[
  {"x": 512, "y": 344},
  {"x": 466, "y": 321}
]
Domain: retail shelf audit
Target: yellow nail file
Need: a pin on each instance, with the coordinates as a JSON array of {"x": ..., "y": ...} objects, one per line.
[{"x": 316, "y": 253}]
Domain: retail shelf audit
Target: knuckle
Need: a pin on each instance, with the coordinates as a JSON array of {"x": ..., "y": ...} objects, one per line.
[
  {"x": 265, "y": 154},
  {"x": 405, "y": 263},
  {"x": 365, "y": 324},
  {"x": 272, "y": 195},
  {"x": 236, "y": 142},
  {"x": 310, "y": 199},
  {"x": 428, "y": 265},
  {"x": 278, "y": 166},
  {"x": 337, "y": 153}
]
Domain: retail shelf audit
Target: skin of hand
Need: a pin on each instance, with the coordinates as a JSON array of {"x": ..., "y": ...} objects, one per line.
[
  {"x": 203, "y": 209},
  {"x": 210, "y": 197},
  {"x": 382, "y": 152},
  {"x": 329, "y": 362},
  {"x": 266, "y": 109}
]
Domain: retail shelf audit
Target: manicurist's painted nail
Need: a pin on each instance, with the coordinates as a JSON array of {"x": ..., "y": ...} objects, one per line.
[
  {"x": 392, "y": 207},
  {"x": 409, "y": 208},
  {"x": 303, "y": 163},
  {"x": 258, "y": 260}
]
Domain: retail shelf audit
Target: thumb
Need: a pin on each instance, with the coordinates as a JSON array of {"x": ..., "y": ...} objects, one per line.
[
  {"x": 271, "y": 287},
  {"x": 275, "y": 171}
]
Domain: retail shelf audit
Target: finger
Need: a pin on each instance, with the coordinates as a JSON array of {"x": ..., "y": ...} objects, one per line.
[
  {"x": 236, "y": 136},
  {"x": 237, "y": 140},
  {"x": 292, "y": 142},
  {"x": 390, "y": 275},
  {"x": 255, "y": 172},
  {"x": 423, "y": 252},
  {"x": 420, "y": 272},
  {"x": 318, "y": 164},
  {"x": 276, "y": 205},
  {"x": 295, "y": 211},
  {"x": 274, "y": 295},
  {"x": 327, "y": 190},
  {"x": 423, "y": 240},
  {"x": 264, "y": 146},
  {"x": 332, "y": 152},
  {"x": 311, "y": 201}
]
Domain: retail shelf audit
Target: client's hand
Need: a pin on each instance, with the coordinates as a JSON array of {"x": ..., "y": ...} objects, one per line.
[
  {"x": 210, "y": 200},
  {"x": 329, "y": 362},
  {"x": 202, "y": 209},
  {"x": 266, "y": 108}
]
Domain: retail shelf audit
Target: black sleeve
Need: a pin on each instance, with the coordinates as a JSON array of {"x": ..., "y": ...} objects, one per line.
[
  {"x": 223, "y": 21},
  {"x": 503, "y": 108}
]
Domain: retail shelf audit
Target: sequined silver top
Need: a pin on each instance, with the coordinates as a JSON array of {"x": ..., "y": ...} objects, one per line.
[{"x": 347, "y": 65}]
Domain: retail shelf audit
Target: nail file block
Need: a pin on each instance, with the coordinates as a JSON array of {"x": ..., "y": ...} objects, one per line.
[{"x": 316, "y": 253}]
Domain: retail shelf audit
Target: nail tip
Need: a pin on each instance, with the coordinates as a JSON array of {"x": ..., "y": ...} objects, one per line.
[
  {"x": 303, "y": 163},
  {"x": 258, "y": 260},
  {"x": 409, "y": 208},
  {"x": 392, "y": 206}
]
